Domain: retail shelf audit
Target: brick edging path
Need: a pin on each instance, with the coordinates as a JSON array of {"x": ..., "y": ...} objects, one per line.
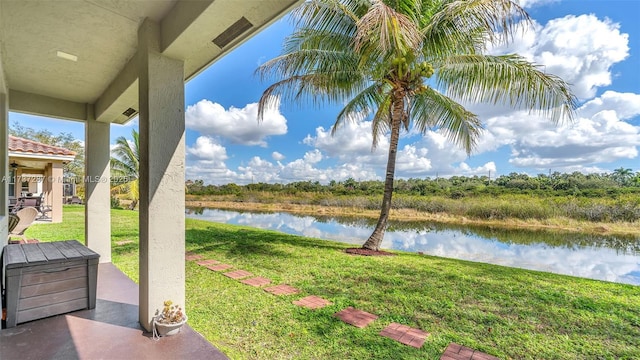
[{"x": 398, "y": 332}]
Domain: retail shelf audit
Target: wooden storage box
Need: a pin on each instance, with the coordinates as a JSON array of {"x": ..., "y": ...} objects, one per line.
[{"x": 46, "y": 279}]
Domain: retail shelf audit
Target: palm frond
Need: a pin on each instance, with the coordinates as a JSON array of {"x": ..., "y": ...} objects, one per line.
[
  {"x": 466, "y": 27},
  {"x": 410, "y": 8},
  {"x": 507, "y": 79},
  {"x": 382, "y": 29},
  {"x": 381, "y": 123},
  {"x": 125, "y": 163},
  {"x": 333, "y": 15},
  {"x": 316, "y": 88},
  {"x": 361, "y": 105},
  {"x": 433, "y": 110},
  {"x": 310, "y": 61}
]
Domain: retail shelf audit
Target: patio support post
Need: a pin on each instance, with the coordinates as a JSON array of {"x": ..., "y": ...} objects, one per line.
[
  {"x": 57, "y": 188},
  {"x": 46, "y": 183},
  {"x": 4, "y": 165},
  {"x": 162, "y": 156},
  {"x": 97, "y": 223}
]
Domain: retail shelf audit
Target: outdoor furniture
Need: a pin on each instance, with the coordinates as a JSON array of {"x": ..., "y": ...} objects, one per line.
[
  {"x": 44, "y": 212},
  {"x": 75, "y": 200},
  {"x": 12, "y": 204},
  {"x": 32, "y": 201},
  {"x": 26, "y": 216},
  {"x": 46, "y": 279},
  {"x": 13, "y": 222}
]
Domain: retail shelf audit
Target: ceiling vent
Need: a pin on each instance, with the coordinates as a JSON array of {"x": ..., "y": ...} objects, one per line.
[
  {"x": 129, "y": 112},
  {"x": 232, "y": 32}
]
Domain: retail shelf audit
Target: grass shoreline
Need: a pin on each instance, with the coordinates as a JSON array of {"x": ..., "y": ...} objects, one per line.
[
  {"x": 507, "y": 312},
  {"x": 555, "y": 224}
]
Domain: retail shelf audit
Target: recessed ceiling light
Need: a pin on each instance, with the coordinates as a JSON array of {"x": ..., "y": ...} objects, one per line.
[{"x": 66, "y": 56}]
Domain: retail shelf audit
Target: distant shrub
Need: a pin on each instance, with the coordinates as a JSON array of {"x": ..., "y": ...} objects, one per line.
[
  {"x": 115, "y": 203},
  {"x": 456, "y": 194}
]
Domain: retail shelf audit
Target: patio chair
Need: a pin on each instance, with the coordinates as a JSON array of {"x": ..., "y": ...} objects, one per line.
[
  {"x": 42, "y": 208},
  {"x": 75, "y": 200},
  {"x": 26, "y": 217},
  {"x": 13, "y": 222},
  {"x": 30, "y": 201},
  {"x": 13, "y": 208}
]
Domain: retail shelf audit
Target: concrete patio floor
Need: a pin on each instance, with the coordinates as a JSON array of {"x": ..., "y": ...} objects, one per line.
[{"x": 110, "y": 331}]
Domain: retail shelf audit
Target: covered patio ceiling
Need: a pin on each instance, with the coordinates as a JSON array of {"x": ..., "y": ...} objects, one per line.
[
  {"x": 103, "y": 62},
  {"x": 60, "y": 56}
]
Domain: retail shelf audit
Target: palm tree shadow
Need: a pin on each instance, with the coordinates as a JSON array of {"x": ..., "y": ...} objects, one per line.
[{"x": 245, "y": 241}]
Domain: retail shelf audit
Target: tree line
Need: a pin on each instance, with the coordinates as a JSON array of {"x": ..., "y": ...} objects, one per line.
[{"x": 620, "y": 181}]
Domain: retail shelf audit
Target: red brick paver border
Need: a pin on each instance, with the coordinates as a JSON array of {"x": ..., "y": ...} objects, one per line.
[
  {"x": 459, "y": 352},
  {"x": 208, "y": 262},
  {"x": 312, "y": 302},
  {"x": 219, "y": 267},
  {"x": 405, "y": 334},
  {"x": 191, "y": 256},
  {"x": 238, "y": 274},
  {"x": 257, "y": 281},
  {"x": 355, "y": 317},
  {"x": 282, "y": 290}
]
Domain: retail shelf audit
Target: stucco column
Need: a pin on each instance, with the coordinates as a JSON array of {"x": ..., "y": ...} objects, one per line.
[
  {"x": 97, "y": 220},
  {"x": 57, "y": 188},
  {"x": 4, "y": 166},
  {"x": 162, "y": 154},
  {"x": 46, "y": 184}
]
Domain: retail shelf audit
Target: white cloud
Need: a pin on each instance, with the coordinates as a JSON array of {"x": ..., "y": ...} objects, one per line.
[
  {"x": 134, "y": 122},
  {"x": 533, "y": 3},
  {"x": 307, "y": 168},
  {"x": 277, "y": 156},
  {"x": 580, "y": 49},
  {"x": 447, "y": 159},
  {"x": 313, "y": 157},
  {"x": 239, "y": 126},
  {"x": 211, "y": 173},
  {"x": 599, "y": 135},
  {"x": 428, "y": 156},
  {"x": 352, "y": 140},
  {"x": 205, "y": 148},
  {"x": 206, "y": 161},
  {"x": 259, "y": 170},
  {"x": 625, "y": 105}
]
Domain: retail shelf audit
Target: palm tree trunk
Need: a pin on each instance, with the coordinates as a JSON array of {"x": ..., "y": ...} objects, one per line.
[{"x": 375, "y": 240}]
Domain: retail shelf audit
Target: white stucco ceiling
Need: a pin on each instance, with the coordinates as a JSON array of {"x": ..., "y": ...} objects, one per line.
[{"x": 103, "y": 36}]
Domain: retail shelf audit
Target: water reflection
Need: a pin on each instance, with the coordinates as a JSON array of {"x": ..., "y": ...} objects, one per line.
[{"x": 607, "y": 258}]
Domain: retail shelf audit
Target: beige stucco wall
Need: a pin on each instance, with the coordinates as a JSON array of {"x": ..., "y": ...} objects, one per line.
[
  {"x": 4, "y": 163},
  {"x": 162, "y": 156},
  {"x": 57, "y": 186},
  {"x": 97, "y": 193}
]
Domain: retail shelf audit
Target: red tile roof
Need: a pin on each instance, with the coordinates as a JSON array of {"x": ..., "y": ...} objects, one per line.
[{"x": 17, "y": 144}]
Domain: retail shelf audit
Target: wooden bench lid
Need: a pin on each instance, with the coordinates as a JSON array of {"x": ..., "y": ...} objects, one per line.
[{"x": 22, "y": 255}]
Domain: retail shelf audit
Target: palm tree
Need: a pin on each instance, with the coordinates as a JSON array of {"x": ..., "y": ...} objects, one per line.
[
  {"x": 622, "y": 176},
  {"x": 125, "y": 167},
  {"x": 409, "y": 61}
]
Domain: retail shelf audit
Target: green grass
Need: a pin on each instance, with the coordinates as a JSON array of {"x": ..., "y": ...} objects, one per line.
[{"x": 510, "y": 313}]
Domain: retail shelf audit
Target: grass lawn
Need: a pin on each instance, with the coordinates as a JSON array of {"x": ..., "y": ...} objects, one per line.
[{"x": 506, "y": 312}]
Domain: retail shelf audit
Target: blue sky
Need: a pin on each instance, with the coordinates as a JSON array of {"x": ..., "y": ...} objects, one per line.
[{"x": 592, "y": 44}]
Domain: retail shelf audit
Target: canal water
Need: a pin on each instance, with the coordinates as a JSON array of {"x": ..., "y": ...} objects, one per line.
[{"x": 608, "y": 258}]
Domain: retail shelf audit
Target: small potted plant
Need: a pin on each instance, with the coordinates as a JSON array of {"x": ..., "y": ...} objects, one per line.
[{"x": 169, "y": 321}]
